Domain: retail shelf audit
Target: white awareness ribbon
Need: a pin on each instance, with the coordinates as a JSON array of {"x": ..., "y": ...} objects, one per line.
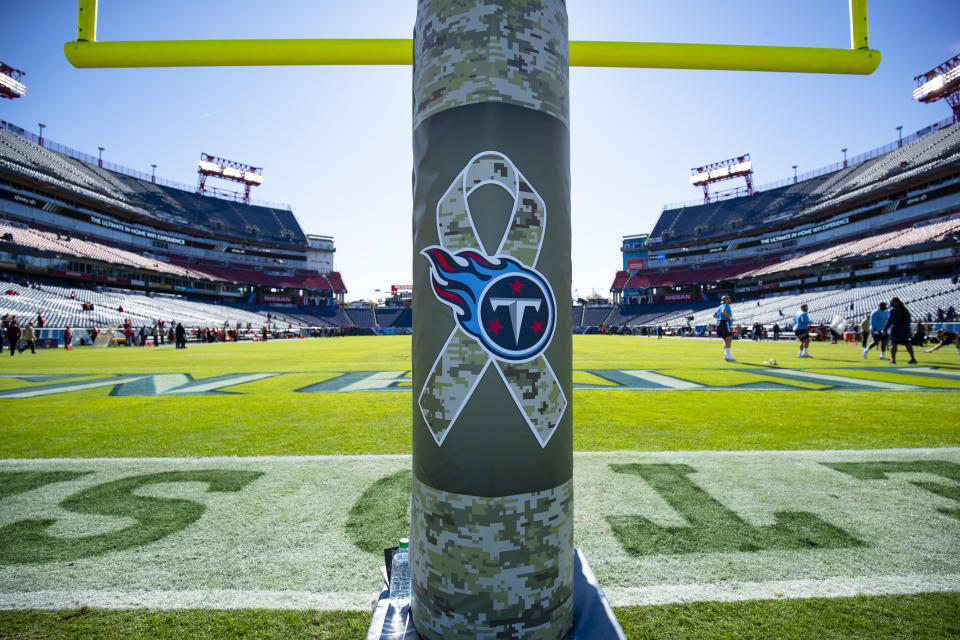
[{"x": 462, "y": 361}]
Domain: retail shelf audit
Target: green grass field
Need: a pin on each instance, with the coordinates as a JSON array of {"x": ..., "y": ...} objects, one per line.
[{"x": 283, "y": 399}]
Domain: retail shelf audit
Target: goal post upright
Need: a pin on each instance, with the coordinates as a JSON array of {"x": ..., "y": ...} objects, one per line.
[
  {"x": 87, "y": 21},
  {"x": 859, "y": 33}
]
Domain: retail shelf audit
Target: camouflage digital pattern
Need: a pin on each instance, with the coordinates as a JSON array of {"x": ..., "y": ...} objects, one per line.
[
  {"x": 536, "y": 390},
  {"x": 524, "y": 233},
  {"x": 468, "y": 51},
  {"x": 451, "y": 382},
  {"x": 502, "y": 549},
  {"x": 453, "y": 377}
]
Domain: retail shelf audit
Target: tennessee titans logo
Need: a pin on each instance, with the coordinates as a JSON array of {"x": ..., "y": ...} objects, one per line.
[{"x": 507, "y": 307}]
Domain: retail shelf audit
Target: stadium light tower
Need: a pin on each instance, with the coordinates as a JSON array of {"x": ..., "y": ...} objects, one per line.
[
  {"x": 100, "y": 159},
  {"x": 153, "y": 173},
  {"x": 212, "y": 166},
  {"x": 844, "y": 151},
  {"x": 941, "y": 83},
  {"x": 10, "y": 85},
  {"x": 794, "y": 174},
  {"x": 42, "y": 127},
  {"x": 899, "y": 136},
  {"x": 740, "y": 167}
]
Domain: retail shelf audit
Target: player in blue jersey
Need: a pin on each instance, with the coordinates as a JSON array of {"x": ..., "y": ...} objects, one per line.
[
  {"x": 724, "y": 317},
  {"x": 801, "y": 327},
  {"x": 878, "y": 329}
]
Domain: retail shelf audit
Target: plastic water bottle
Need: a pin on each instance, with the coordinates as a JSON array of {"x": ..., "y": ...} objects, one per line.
[{"x": 400, "y": 576}]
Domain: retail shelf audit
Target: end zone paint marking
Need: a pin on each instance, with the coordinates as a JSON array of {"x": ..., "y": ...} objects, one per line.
[
  {"x": 662, "y": 380},
  {"x": 842, "y": 381},
  {"x": 181, "y": 384},
  {"x": 936, "y": 372},
  {"x": 301, "y": 504},
  {"x": 77, "y": 386}
]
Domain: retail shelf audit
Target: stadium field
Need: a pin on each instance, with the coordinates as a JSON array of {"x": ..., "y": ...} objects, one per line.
[{"x": 246, "y": 490}]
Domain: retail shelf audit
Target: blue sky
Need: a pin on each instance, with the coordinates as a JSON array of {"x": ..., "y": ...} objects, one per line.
[{"x": 334, "y": 142}]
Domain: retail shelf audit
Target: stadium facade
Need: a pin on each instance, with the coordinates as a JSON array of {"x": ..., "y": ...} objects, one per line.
[
  {"x": 65, "y": 216},
  {"x": 840, "y": 236},
  {"x": 828, "y": 228},
  {"x": 893, "y": 213}
]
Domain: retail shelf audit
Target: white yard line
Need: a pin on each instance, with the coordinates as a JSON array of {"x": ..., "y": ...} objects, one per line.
[
  {"x": 859, "y": 454},
  {"x": 873, "y": 454},
  {"x": 189, "y": 599},
  {"x": 779, "y": 589},
  {"x": 618, "y": 596}
]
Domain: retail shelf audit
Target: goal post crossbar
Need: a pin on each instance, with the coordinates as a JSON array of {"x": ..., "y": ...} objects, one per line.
[{"x": 87, "y": 52}]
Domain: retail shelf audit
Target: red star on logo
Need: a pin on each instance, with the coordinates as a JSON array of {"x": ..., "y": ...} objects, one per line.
[
  {"x": 495, "y": 327},
  {"x": 516, "y": 286},
  {"x": 537, "y": 326}
]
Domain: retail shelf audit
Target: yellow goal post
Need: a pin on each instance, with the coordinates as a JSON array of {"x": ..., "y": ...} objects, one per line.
[{"x": 88, "y": 52}]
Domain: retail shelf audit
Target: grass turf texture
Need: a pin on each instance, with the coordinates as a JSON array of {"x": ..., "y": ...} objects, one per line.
[
  {"x": 922, "y": 617},
  {"x": 175, "y": 625},
  {"x": 270, "y": 419}
]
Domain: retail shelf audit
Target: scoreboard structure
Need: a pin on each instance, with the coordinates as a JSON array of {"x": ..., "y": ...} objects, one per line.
[
  {"x": 740, "y": 167},
  {"x": 11, "y": 86},
  {"x": 941, "y": 83}
]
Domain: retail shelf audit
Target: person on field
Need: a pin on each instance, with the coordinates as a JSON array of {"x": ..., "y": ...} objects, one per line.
[
  {"x": 878, "y": 330},
  {"x": 13, "y": 334},
  {"x": 29, "y": 339},
  {"x": 724, "y": 317},
  {"x": 864, "y": 332},
  {"x": 920, "y": 334},
  {"x": 898, "y": 326},
  {"x": 67, "y": 337},
  {"x": 181, "y": 335},
  {"x": 943, "y": 339},
  {"x": 801, "y": 329}
]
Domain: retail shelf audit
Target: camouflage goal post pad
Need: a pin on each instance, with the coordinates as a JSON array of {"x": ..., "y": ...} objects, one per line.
[{"x": 492, "y": 509}]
